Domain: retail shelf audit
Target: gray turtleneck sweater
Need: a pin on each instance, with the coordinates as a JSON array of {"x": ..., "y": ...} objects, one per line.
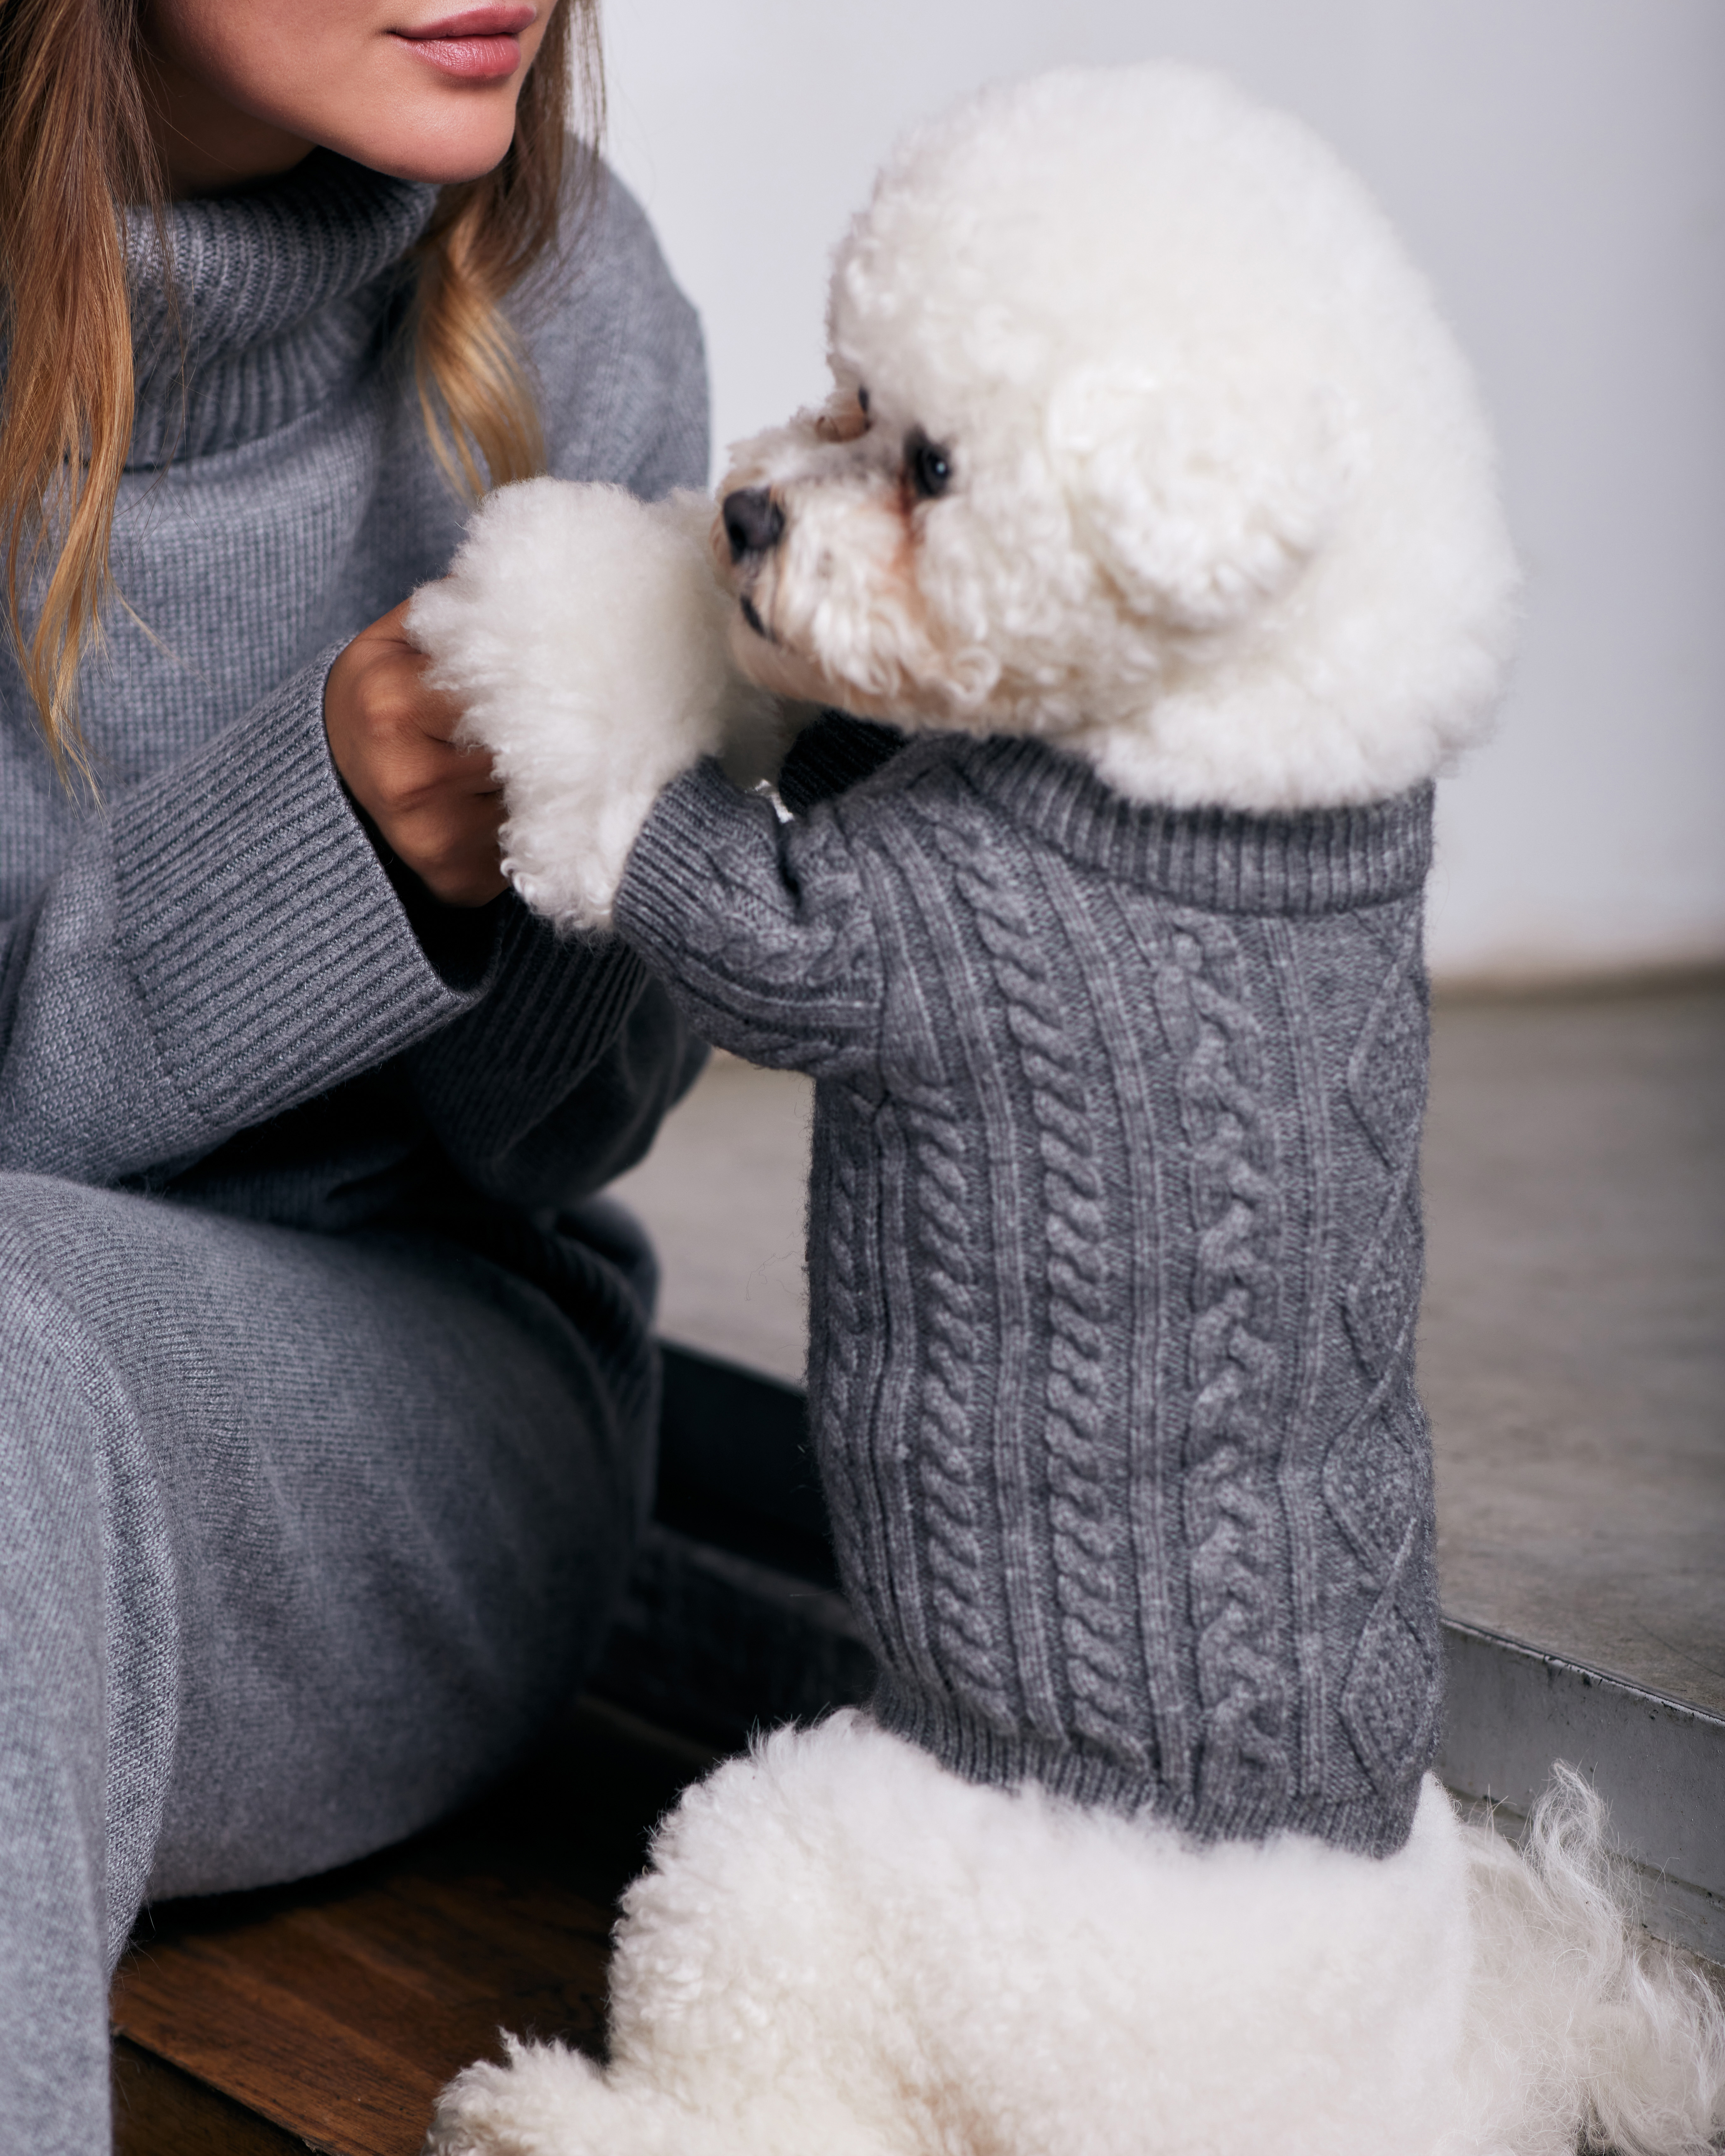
[
  {"x": 213, "y": 985},
  {"x": 1114, "y": 1250}
]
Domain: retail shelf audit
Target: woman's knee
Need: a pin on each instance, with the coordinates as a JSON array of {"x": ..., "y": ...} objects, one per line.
[
  {"x": 89, "y": 1282},
  {"x": 48, "y": 1253},
  {"x": 62, "y": 1300},
  {"x": 367, "y": 1504}
]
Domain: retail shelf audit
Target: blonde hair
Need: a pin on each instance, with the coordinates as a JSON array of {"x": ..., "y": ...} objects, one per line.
[{"x": 75, "y": 148}]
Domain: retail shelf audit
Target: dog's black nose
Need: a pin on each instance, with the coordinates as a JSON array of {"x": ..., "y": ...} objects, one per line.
[{"x": 753, "y": 522}]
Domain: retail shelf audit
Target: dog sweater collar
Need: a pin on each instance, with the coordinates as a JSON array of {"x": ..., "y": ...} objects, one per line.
[{"x": 1313, "y": 861}]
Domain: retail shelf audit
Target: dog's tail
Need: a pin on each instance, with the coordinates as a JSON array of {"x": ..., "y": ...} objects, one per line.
[{"x": 1584, "y": 2031}]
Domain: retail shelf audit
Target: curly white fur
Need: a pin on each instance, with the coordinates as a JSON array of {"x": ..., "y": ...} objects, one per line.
[
  {"x": 585, "y": 634},
  {"x": 841, "y": 1947},
  {"x": 1220, "y": 512},
  {"x": 1581, "y": 2029}
]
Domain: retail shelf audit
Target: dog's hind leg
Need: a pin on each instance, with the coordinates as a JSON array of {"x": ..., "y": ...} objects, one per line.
[
  {"x": 550, "y": 2100},
  {"x": 753, "y": 2011}
]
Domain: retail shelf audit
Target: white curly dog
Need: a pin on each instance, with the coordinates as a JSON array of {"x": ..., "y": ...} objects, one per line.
[{"x": 1217, "y": 513}]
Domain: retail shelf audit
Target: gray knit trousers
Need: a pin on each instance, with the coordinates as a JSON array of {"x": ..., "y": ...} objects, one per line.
[{"x": 301, "y": 1536}]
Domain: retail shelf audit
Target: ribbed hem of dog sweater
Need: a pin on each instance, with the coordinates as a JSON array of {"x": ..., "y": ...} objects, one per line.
[
  {"x": 1319, "y": 861},
  {"x": 272, "y": 956},
  {"x": 983, "y": 1754}
]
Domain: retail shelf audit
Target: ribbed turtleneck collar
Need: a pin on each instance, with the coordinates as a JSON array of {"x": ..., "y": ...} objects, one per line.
[
  {"x": 1317, "y": 860},
  {"x": 280, "y": 291}
]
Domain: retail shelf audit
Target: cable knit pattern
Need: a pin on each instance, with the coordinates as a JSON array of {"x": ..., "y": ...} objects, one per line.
[
  {"x": 1114, "y": 1254},
  {"x": 1232, "y": 1516},
  {"x": 1378, "y": 1475},
  {"x": 1086, "y": 1520},
  {"x": 841, "y": 1220},
  {"x": 953, "y": 1493}
]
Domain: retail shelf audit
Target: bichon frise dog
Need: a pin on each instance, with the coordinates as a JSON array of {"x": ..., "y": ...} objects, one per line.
[{"x": 1154, "y": 504}]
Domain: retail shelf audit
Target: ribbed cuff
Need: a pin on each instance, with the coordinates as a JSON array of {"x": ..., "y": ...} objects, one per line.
[
  {"x": 272, "y": 956},
  {"x": 759, "y": 929},
  {"x": 653, "y": 900},
  {"x": 690, "y": 919},
  {"x": 553, "y": 1008}
]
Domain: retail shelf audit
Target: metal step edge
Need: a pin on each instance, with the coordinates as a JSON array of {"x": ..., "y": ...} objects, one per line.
[{"x": 1512, "y": 1710}]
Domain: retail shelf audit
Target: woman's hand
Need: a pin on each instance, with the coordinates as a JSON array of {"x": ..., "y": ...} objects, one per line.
[{"x": 437, "y": 807}]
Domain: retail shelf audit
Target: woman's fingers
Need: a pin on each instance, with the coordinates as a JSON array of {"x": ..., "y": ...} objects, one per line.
[{"x": 435, "y": 803}]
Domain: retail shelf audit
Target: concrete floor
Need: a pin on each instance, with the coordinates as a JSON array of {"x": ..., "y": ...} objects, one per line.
[
  {"x": 1572, "y": 1345},
  {"x": 1572, "y": 1354}
]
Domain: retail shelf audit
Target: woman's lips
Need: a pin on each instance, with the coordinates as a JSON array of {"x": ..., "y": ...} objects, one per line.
[{"x": 480, "y": 45}]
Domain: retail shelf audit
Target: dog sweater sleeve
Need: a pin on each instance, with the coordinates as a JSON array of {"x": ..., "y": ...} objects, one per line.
[
  {"x": 758, "y": 926},
  {"x": 174, "y": 981}
]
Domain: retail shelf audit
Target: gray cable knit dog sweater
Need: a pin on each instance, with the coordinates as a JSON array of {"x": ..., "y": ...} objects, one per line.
[{"x": 1115, "y": 1252}]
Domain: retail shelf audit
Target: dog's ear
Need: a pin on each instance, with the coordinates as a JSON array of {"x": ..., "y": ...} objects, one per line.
[{"x": 1200, "y": 498}]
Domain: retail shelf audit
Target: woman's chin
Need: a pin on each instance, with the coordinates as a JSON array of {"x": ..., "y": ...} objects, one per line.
[{"x": 427, "y": 141}]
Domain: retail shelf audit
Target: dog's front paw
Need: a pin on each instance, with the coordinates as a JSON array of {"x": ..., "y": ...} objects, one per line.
[{"x": 585, "y": 634}]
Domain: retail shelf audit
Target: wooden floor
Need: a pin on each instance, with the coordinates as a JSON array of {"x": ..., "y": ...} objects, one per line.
[{"x": 329, "y": 2014}]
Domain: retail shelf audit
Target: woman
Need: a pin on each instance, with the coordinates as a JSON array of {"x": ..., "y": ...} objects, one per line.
[{"x": 324, "y": 1404}]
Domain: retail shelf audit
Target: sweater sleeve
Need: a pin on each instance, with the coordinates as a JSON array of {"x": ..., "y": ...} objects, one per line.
[
  {"x": 556, "y": 1081},
  {"x": 558, "y": 1078},
  {"x": 759, "y": 926},
  {"x": 222, "y": 945},
  {"x": 617, "y": 353},
  {"x": 227, "y": 944}
]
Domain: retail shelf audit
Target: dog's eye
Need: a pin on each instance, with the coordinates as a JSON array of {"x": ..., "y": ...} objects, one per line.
[
  {"x": 862, "y": 402},
  {"x": 930, "y": 467}
]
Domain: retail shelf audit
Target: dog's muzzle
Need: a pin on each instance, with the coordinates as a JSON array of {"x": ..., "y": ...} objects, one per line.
[{"x": 753, "y": 522}]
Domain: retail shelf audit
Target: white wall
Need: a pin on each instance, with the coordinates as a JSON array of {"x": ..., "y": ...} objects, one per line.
[{"x": 1559, "y": 166}]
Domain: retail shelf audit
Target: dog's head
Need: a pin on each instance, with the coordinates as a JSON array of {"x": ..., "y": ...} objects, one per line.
[{"x": 1144, "y": 437}]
